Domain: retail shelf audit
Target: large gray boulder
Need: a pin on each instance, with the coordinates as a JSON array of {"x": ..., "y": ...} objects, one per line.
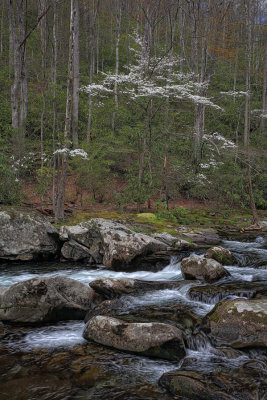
[
  {"x": 151, "y": 339},
  {"x": 108, "y": 242},
  {"x": 238, "y": 323},
  {"x": 46, "y": 299},
  {"x": 26, "y": 235},
  {"x": 203, "y": 269}
]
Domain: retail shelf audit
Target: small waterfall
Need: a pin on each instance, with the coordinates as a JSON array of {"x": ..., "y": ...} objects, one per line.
[
  {"x": 213, "y": 298},
  {"x": 198, "y": 342}
]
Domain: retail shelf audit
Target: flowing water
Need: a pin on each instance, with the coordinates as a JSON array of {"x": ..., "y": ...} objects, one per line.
[{"x": 55, "y": 362}]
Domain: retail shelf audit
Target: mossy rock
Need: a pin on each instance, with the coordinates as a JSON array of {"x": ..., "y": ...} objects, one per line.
[
  {"x": 238, "y": 323},
  {"x": 220, "y": 254}
]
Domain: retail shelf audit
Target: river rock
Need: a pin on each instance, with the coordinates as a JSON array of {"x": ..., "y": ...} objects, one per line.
[
  {"x": 220, "y": 254},
  {"x": 26, "y": 235},
  {"x": 241, "y": 384},
  {"x": 174, "y": 242},
  {"x": 203, "y": 269},
  {"x": 46, "y": 299},
  {"x": 203, "y": 237},
  {"x": 150, "y": 339},
  {"x": 238, "y": 323},
  {"x": 109, "y": 243},
  {"x": 179, "y": 315}
]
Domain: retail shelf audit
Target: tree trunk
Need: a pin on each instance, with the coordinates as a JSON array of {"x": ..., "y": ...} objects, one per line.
[
  {"x": 118, "y": 20},
  {"x": 93, "y": 16},
  {"x": 23, "y": 73},
  {"x": 15, "y": 64},
  {"x": 76, "y": 75},
  {"x": 1, "y": 33},
  {"x": 247, "y": 111},
  {"x": 41, "y": 8},
  {"x": 55, "y": 45},
  {"x": 264, "y": 91},
  {"x": 67, "y": 129}
]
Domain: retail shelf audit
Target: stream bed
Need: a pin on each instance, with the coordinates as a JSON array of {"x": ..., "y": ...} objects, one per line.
[{"x": 55, "y": 362}]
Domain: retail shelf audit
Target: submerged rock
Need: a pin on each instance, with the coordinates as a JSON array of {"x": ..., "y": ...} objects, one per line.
[
  {"x": 47, "y": 386},
  {"x": 238, "y": 323},
  {"x": 242, "y": 384},
  {"x": 26, "y": 235},
  {"x": 203, "y": 269},
  {"x": 150, "y": 339},
  {"x": 46, "y": 299},
  {"x": 220, "y": 254},
  {"x": 110, "y": 243}
]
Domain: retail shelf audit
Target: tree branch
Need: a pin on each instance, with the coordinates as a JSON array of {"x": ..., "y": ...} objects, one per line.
[{"x": 35, "y": 26}]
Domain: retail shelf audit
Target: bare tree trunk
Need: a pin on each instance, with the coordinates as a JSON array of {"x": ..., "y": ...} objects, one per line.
[
  {"x": 93, "y": 16},
  {"x": 182, "y": 34},
  {"x": 235, "y": 70},
  {"x": 14, "y": 44},
  {"x": 23, "y": 74},
  {"x": 55, "y": 45},
  {"x": 17, "y": 65},
  {"x": 118, "y": 20},
  {"x": 264, "y": 91},
  {"x": 76, "y": 76},
  {"x": 173, "y": 22},
  {"x": 67, "y": 130},
  {"x": 247, "y": 110},
  {"x": 41, "y": 7},
  {"x": 1, "y": 33}
]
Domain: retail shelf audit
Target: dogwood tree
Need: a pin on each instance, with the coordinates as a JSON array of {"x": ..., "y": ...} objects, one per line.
[{"x": 148, "y": 82}]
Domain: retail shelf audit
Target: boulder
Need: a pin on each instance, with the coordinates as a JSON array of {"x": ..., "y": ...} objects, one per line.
[
  {"x": 26, "y": 235},
  {"x": 110, "y": 243},
  {"x": 241, "y": 384},
  {"x": 76, "y": 252},
  {"x": 83, "y": 242},
  {"x": 220, "y": 254},
  {"x": 150, "y": 339},
  {"x": 46, "y": 299},
  {"x": 203, "y": 269},
  {"x": 203, "y": 237},
  {"x": 237, "y": 323},
  {"x": 179, "y": 315},
  {"x": 174, "y": 242}
]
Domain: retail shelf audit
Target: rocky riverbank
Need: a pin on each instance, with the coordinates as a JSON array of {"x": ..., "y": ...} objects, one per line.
[{"x": 195, "y": 328}]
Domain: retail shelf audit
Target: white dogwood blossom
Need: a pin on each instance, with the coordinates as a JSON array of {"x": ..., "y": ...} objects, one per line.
[
  {"x": 73, "y": 153},
  {"x": 235, "y": 93},
  {"x": 152, "y": 77},
  {"x": 219, "y": 140}
]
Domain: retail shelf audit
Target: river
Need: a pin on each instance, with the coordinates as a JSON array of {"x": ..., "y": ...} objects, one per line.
[{"x": 55, "y": 362}]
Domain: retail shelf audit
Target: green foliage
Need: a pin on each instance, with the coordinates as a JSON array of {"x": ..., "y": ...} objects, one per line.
[
  {"x": 44, "y": 176},
  {"x": 166, "y": 215},
  {"x": 10, "y": 186}
]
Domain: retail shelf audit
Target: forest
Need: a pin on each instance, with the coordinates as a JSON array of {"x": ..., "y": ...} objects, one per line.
[
  {"x": 133, "y": 103},
  {"x": 133, "y": 199}
]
